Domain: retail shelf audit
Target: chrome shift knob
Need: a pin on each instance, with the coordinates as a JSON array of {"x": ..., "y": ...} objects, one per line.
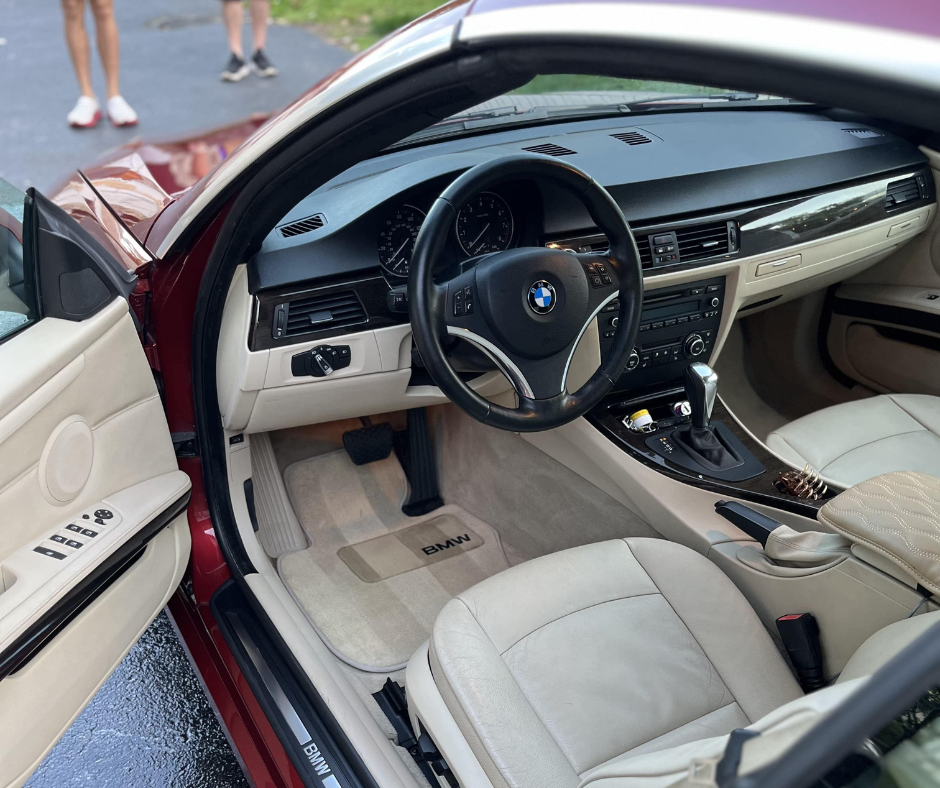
[{"x": 701, "y": 387}]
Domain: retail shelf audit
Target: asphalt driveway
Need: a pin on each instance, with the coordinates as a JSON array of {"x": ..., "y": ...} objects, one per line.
[
  {"x": 151, "y": 724},
  {"x": 172, "y": 52}
]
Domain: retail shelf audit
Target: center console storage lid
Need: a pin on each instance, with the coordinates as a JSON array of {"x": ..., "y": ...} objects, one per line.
[{"x": 896, "y": 515}]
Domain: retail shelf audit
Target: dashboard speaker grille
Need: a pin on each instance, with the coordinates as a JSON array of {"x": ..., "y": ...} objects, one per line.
[
  {"x": 324, "y": 311},
  {"x": 864, "y": 133},
  {"x": 302, "y": 226},
  {"x": 902, "y": 191},
  {"x": 632, "y": 138},
  {"x": 550, "y": 149}
]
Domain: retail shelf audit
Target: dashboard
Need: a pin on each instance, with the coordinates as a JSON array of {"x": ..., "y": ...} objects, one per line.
[{"x": 771, "y": 204}]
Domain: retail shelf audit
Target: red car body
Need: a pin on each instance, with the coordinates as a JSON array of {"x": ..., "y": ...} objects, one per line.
[{"x": 144, "y": 187}]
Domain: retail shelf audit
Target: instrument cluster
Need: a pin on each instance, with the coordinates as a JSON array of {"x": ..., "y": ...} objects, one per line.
[{"x": 484, "y": 224}]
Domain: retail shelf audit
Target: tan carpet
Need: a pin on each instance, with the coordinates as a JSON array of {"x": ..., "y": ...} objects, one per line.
[{"x": 377, "y": 624}]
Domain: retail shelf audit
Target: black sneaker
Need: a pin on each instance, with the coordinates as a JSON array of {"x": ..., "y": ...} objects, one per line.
[
  {"x": 262, "y": 66},
  {"x": 236, "y": 70}
]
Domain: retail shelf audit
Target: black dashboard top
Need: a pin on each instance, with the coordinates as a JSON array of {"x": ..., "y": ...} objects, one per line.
[{"x": 666, "y": 167}]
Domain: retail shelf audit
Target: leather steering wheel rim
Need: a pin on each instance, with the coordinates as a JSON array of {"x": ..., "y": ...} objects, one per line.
[{"x": 515, "y": 340}]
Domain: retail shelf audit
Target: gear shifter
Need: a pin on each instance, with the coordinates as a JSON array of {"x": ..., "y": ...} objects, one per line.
[{"x": 701, "y": 387}]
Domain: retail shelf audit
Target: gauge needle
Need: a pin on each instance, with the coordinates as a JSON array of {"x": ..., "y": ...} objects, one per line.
[
  {"x": 398, "y": 251},
  {"x": 474, "y": 242}
]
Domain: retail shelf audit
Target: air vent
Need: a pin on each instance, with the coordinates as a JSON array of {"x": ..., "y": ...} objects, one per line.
[
  {"x": 321, "y": 312},
  {"x": 702, "y": 240},
  {"x": 632, "y": 138},
  {"x": 865, "y": 134},
  {"x": 302, "y": 226},
  {"x": 646, "y": 252},
  {"x": 901, "y": 192},
  {"x": 550, "y": 149}
]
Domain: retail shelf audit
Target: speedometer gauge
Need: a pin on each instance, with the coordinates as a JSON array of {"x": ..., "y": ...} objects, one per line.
[
  {"x": 397, "y": 237},
  {"x": 484, "y": 224}
]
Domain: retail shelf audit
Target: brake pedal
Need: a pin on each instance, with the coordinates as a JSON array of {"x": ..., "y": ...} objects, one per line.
[{"x": 369, "y": 444}]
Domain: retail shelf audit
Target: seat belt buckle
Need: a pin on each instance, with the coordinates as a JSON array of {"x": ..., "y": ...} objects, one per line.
[{"x": 800, "y": 635}]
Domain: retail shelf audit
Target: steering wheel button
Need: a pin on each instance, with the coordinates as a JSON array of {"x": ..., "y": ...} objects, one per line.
[
  {"x": 458, "y": 296},
  {"x": 606, "y": 280},
  {"x": 458, "y": 308},
  {"x": 468, "y": 308},
  {"x": 596, "y": 281}
]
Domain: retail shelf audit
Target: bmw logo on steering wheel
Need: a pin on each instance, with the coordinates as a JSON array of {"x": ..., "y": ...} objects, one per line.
[{"x": 542, "y": 297}]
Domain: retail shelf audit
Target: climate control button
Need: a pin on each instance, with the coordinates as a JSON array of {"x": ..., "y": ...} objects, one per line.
[
  {"x": 694, "y": 345},
  {"x": 634, "y": 361}
]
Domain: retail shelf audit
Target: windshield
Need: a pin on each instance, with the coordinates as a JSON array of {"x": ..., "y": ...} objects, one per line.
[{"x": 565, "y": 96}]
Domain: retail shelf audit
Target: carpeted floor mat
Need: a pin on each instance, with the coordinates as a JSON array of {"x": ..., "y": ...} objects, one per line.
[{"x": 372, "y": 580}]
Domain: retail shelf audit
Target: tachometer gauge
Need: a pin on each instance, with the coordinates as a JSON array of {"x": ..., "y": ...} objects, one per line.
[
  {"x": 484, "y": 224},
  {"x": 397, "y": 238}
]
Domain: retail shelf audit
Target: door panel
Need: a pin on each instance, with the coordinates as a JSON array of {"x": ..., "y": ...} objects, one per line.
[
  {"x": 40, "y": 701},
  {"x": 93, "y": 532},
  {"x": 884, "y": 329}
]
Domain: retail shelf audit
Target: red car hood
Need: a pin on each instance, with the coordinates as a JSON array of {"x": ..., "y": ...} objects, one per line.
[{"x": 138, "y": 180}]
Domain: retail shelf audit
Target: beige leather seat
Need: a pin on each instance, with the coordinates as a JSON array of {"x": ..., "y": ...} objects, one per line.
[
  {"x": 602, "y": 665},
  {"x": 852, "y": 442}
]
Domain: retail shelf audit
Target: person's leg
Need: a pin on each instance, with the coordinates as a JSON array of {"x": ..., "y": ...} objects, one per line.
[
  {"x": 234, "y": 19},
  {"x": 260, "y": 11},
  {"x": 109, "y": 48},
  {"x": 77, "y": 40}
]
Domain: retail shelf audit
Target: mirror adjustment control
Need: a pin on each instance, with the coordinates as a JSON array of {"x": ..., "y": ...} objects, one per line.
[{"x": 321, "y": 361}]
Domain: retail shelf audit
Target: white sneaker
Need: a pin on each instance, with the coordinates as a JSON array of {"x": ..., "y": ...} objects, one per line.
[
  {"x": 85, "y": 114},
  {"x": 120, "y": 112}
]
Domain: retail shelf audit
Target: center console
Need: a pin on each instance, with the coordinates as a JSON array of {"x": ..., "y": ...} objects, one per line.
[{"x": 678, "y": 325}]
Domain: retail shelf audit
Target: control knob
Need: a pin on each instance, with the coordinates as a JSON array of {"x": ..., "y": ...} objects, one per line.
[
  {"x": 694, "y": 345},
  {"x": 715, "y": 301},
  {"x": 634, "y": 361}
]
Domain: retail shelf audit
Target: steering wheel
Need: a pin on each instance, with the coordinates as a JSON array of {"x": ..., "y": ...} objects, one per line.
[{"x": 526, "y": 308}]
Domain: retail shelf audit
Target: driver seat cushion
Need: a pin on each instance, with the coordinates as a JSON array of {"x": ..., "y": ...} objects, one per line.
[{"x": 564, "y": 663}]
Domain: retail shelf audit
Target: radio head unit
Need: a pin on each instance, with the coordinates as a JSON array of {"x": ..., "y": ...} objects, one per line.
[{"x": 678, "y": 325}]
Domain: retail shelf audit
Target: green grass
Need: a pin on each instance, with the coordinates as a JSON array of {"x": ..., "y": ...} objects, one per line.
[
  {"x": 558, "y": 83},
  {"x": 355, "y": 24}
]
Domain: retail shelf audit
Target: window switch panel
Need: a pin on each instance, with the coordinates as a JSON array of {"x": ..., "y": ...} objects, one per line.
[{"x": 48, "y": 551}]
